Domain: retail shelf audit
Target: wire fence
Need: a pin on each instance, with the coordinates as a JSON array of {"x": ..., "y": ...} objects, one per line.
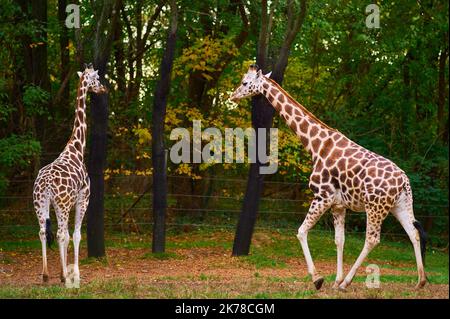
[{"x": 128, "y": 200}]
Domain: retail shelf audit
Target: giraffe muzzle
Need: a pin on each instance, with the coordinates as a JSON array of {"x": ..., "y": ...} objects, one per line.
[
  {"x": 102, "y": 90},
  {"x": 234, "y": 98}
]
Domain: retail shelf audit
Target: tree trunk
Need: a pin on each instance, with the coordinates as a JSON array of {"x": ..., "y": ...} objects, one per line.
[
  {"x": 119, "y": 58},
  {"x": 96, "y": 166},
  {"x": 35, "y": 56},
  {"x": 442, "y": 134},
  {"x": 262, "y": 117},
  {"x": 64, "y": 54},
  {"x": 106, "y": 18},
  {"x": 158, "y": 148}
]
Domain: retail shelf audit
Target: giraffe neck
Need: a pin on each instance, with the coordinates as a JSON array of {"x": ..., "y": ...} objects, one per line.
[
  {"x": 313, "y": 133},
  {"x": 77, "y": 141}
]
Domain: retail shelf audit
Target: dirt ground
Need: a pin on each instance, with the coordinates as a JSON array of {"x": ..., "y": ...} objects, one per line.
[{"x": 205, "y": 272}]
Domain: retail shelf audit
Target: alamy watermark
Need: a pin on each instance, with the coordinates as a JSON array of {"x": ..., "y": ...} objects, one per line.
[
  {"x": 73, "y": 16},
  {"x": 72, "y": 281},
  {"x": 373, "y": 19},
  {"x": 373, "y": 276},
  {"x": 265, "y": 149}
]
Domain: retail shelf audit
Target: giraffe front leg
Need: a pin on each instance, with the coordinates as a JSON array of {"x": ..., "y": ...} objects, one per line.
[
  {"x": 339, "y": 227},
  {"x": 316, "y": 210}
]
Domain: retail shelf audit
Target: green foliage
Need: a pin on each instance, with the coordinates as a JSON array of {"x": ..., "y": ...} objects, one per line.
[
  {"x": 35, "y": 100},
  {"x": 16, "y": 153},
  {"x": 377, "y": 86},
  {"x": 6, "y": 109}
]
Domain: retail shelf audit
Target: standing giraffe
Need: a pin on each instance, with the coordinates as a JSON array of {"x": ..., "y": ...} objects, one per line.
[
  {"x": 345, "y": 175},
  {"x": 64, "y": 183}
]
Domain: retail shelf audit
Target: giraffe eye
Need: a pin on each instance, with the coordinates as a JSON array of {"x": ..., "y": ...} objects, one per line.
[{"x": 244, "y": 83}]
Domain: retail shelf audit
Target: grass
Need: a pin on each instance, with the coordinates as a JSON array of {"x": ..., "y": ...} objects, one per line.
[
  {"x": 103, "y": 261},
  {"x": 271, "y": 250}
]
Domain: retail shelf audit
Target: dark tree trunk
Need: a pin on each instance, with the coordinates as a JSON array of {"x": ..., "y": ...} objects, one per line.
[
  {"x": 96, "y": 165},
  {"x": 64, "y": 55},
  {"x": 119, "y": 58},
  {"x": 158, "y": 148},
  {"x": 442, "y": 134},
  {"x": 262, "y": 117},
  {"x": 40, "y": 75},
  {"x": 106, "y": 18},
  {"x": 35, "y": 56}
]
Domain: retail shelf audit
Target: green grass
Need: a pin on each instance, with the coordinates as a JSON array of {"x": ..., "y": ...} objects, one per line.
[
  {"x": 264, "y": 261},
  {"x": 269, "y": 250},
  {"x": 112, "y": 288},
  {"x": 103, "y": 261},
  {"x": 21, "y": 245}
]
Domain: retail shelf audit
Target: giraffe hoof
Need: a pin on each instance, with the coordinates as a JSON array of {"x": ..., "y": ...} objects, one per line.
[
  {"x": 45, "y": 278},
  {"x": 421, "y": 284},
  {"x": 342, "y": 287},
  {"x": 63, "y": 279},
  {"x": 318, "y": 283},
  {"x": 336, "y": 284}
]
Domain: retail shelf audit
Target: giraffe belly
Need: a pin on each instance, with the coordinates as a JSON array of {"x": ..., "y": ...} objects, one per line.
[{"x": 350, "y": 201}]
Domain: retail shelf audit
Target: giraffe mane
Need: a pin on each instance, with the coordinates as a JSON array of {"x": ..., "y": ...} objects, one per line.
[{"x": 304, "y": 109}]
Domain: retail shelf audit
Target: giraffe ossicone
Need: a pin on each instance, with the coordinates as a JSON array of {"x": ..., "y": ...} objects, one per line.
[
  {"x": 345, "y": 176},
  {"x": 64, "y": 183}
]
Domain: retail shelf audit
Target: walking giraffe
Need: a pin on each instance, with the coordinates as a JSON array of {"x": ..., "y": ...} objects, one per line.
[
  {"x": 345, "y": 175},
  {"x": 64, "y": 183}
]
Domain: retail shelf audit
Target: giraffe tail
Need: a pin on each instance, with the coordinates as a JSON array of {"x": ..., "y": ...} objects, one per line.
[
  {"x": 48, "y": 232},
  {"x": 423, "y": 239}
]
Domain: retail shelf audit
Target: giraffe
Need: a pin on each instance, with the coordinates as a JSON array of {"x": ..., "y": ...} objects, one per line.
[
  {"x": 345, "y": 176},
  {"x": 64, "y": 183}
]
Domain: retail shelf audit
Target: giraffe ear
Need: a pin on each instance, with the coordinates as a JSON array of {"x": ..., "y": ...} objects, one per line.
[
  {"x": 259, "y": 73},
  {"x": 79, "y": 74},
  {"x": 268, "y": 74}
]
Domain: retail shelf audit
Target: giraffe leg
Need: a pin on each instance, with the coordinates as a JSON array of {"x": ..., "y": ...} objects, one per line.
[
  {"x": 42, "y": 208},
  {"x": 66, "y": 246},
  {"x": 339, "y": 239},
  {"x": 80, "y": 209},
  {"x": 373, "y": 234},
  {"x": 406, "y": 220},
  {"x": 62, "y": 216},
  {"x": 44, "y": 251},
  {"x": 316, "y": 210}
]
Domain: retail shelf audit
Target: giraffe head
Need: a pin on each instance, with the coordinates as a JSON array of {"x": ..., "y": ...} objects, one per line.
[
  {"x": 90, "y": 80},
  {"x": 251, "y": 84}
]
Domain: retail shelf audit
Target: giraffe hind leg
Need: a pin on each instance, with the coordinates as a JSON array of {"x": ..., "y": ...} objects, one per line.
[
  {"x": 403, "y": 213},
  {"x": 375, "y": 218},
  {"x": 80, "y": 210},
  {"x": 62, "y": 215},
  {"x": 42, "y": 208},
  {"x": 339, "y": 226}
]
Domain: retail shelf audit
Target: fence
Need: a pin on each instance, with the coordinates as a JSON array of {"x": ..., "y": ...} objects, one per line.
[{"x": 212, "y": 202}]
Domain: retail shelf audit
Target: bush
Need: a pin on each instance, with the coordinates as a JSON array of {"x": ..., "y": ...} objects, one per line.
[{"x": 16, "y": 153}]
